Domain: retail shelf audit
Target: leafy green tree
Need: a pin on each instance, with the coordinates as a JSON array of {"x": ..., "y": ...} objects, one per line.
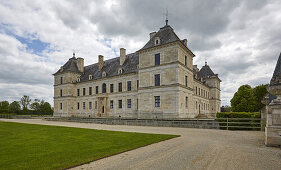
[
  {"x": 35, "y": 106},
  {"x": 259, "y": 93},
  {"x": 4, "y": 106},
  {"x": 243, "y": 100},
  {"x": 25, "y": 102},
  {"x": 45, "y": 108},
  {"x": 14, "y": 107}
]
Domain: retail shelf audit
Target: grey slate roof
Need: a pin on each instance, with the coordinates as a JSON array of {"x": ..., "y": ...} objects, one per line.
[
  {"x": 205, "y": 72},
  {"x": 70, "y": 65},
  {"x": 111, "y": 67},
  {"x": 166, "y": 35},
  {"x": 276, "y": 78}
]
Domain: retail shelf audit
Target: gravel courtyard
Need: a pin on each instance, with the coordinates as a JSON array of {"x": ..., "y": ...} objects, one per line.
[{"x": 195, "y": 149}]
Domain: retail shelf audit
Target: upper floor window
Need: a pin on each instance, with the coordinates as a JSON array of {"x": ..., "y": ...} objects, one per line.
[
  {"x": 90, "y": 90},
  {"x": 111, "y": 104},
  {"x": 196, "y": 90},
  {"x": 137, "y": 84},
  {"x": 78, "y": 106},
  {"x": 103, "y": 88},
  {"x": 90, "y": 105},
  {"x": 157, "y": 79},
  {"x": 186, "y": 101},
  {"x": 129, "y": 103},
  {"x": 84, "y": 105},
  {"x": 185, "y": 60},
  {"x": 111, "y": 88},
  {"x": 186, "y": 81},
  {"x": 78, "y": 79},
  {"x": 157, "y": 59},
  {"x": 199, "y": 91},
  {"x": 103, "y": 74},
  {"x": 120, "y": 87},
  {"x": 97, "y": 89},
  {"x": 157, "y": 101},
  {"x": 119, "y": 104},
  {"x": 60, "y": 92},
  {"x": 84, "y": 91},
  {"x": 129, "y": 85},
  {"x": 78, "y": 92},
  {"x": 61, "y": 80}
]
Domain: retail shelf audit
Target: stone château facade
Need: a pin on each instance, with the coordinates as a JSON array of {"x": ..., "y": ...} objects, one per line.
[{"x": 157, "y": 81}]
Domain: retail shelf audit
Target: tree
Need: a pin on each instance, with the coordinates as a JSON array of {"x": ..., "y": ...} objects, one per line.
[
  {"x": 225, "y": 108},
  {"x": 45, "y": 108},
  {"x": 244, "y": 100},
  {"x": 14, "y": 107},
  {"x": 4, "y": 106},
  {"x": 259, "y": 93},
  {"x": 35, "y": 106},
  {"x": 25, "y": 102}
]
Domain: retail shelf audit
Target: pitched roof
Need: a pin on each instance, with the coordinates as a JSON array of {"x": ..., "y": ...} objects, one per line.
[
  {"x": 276, "y": 78},
  {"x": 205, "y": 72},
  {"x": 166, "y": 35},
  {"x": 70, "y": 65},
  {"x": 111, "y": 67}
]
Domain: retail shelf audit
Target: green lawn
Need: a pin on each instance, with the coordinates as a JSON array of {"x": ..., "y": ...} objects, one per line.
[{"x": 28, "y": 146}]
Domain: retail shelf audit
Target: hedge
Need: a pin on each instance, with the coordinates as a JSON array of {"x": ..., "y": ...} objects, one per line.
[{"x": 250, "y": 123}]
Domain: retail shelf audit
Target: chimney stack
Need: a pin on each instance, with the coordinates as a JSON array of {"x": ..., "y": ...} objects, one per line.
[
  {"x": 100, "y": 62},
  {"x": 122, "y": 56},
  {"x": 80, "y": 64},
  {"x": 185, "y": 42},
  {"x": 152, "y": 34}
]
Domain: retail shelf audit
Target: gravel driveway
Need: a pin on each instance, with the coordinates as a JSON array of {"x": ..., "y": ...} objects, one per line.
[{"x": 195, "y": 149}]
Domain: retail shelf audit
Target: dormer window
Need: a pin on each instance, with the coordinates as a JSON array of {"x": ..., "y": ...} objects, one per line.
[
  {"x": 157, "y": 41},
  {"x": 78, "y": 79},
  {"x": 120, "y": 71},
  {"x": 90, "y": 77},
  {"x": 103, "y": 74}
]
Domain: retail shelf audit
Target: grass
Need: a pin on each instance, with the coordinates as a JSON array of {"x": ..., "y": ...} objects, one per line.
[{"x": 29, "y": 146}]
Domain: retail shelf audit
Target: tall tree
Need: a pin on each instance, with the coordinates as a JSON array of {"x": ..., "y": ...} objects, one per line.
[
  {"x": 14, "y": 107},
  {"x": 259, "y": 93},
  {"x": 25, "y": 102},
  {"x": 243, "y": 100},
  {"x": 4, "y": 106}
]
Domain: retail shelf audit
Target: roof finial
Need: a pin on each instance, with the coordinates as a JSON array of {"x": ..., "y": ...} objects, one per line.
[
  {"x": 167, "y": 14},
  {"x": 205, "y": 61},
  {"x": 73, "y": 54}
]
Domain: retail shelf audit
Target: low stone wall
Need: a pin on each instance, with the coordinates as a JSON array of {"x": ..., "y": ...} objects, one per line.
[{"x": 184, "y": 123}]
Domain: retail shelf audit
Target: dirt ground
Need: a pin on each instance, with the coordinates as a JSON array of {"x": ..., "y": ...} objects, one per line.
[{"x": 195, "y": 149}]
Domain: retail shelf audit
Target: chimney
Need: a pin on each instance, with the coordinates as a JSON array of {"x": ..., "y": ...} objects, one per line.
[
  {"x": 152, "y": 34},
  {"x": 80, "y": 64},
  {"x": 185, "y": 42},
  {"x": 195, "y": 68},
  {"x": 100, "y": 62},
  {"x": 122, "y": 56}
]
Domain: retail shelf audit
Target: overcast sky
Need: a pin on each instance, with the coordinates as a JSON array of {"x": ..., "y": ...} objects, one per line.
[{"x": 240, "y": 39}]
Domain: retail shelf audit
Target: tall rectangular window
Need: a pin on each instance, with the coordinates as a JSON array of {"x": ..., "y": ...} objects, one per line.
[
  {"x": 90, "y": 105},
  {"x": 185, "y": 60},
  {"x": 78, "y": 92},
  {"x": 120, "y": 87},
  {"x": 97, "y": 89},
  {"x": 111, "y": 88},
  {"x": 137, "y": 84},
  {"x": 96, "y": 104},
  {"x": 157, "y": 59},
  {"x": 111, "y": 104},
  {"x": 84, "y": 105},
  {"x": 186, "y": 81},
  {"x": 61, "y": 80},
  {"x": 129, "y": 85},
  {"x": 157, "y": 79},
  {"x": 78, "y": 106},
  {"x": 157, "y": 101},
  {"x": 129, "y": 103},
  {"x": 186, "y": 102},
  {"x": 199, "y": 91},
  {"x": 60, "y": 106},
  {"x": 119, "y": 104},
  {"x": 60, "y": 92},
  {"x": 90, "y": 90},
  {"x": 84, "y": 91},
  {"x": 196, "y": 90}
]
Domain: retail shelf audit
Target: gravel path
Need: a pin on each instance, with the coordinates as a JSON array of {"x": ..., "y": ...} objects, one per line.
[{"x": 195, "y": 149}]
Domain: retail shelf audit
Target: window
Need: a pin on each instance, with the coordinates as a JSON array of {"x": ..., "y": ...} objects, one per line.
[
  {"x": 78, "y": 106},
  {"x": 90, "y": 77},
  {"x": 84, "y": 105},
  {"x": 157, "y": 79},
  {"x": 157, "y": 59},
  {"x": 196, "y": 104},
  {"x": 96, "y": 104},
  {"x": 137, "y": 84},
  {"x": 103, "y": 88},
  {"x": 90, "y": 90},
  {"x": 196, "y": 90},
  {"x": 61, "y": 80},
  {"x": 185, "y": 60},
  {"x": 97, "y": 89},
  {"x": 60, "y": 92},
  {"x": 186, "y": 81},
  {"x": 84, "y": 91},
  {"x": 186, "y": 102},
  {"x": 129, "y": 103},
  {"x": 111, "y": 88},
  {"x": 60, "y": 106},
  {"x": 202, "y": 92},
  {"x": 111, "y": 104},
  {"x": 129, "y": 85},
  {"x": 90, "y": 105},
  {"x": 199, "y": 91},
  {"x": 78, "y": 92},
  {"x": 137, "y": 103},
  {"x": 103, "y": 74},
  {"x": 120, "y": 71},
  {"x": 120, "y": 87},
  {"x": 157, "y": 101},
  {"x": 119, "y": 104}
]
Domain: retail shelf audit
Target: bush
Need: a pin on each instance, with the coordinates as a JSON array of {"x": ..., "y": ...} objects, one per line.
[{"x": 241, "y": 124}]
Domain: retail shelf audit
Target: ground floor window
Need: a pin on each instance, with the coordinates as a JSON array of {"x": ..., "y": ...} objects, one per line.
[
  {"x": 111, "y": 104},
  {"x": 78, "y": 105},
  {"x": 129, "y": 103},
  {"x": 157, "y": 101},
  {"x": 120, "y": 104},
  {"x": 84, "y": 105},
  {"x": 90, "y": 105}
]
